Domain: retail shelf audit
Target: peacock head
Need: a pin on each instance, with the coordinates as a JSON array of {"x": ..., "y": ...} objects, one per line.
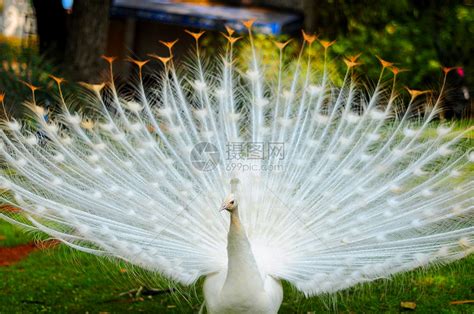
[{"x": 230, "y": 203}]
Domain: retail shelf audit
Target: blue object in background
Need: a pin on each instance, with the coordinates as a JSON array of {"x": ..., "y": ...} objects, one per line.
[
  {"x": 67, "y": 4},
  {"x": 209, "y": 15}
]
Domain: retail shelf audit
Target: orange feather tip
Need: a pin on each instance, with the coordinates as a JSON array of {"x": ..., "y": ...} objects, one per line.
[
  {"x": 415, "y": 93},
  {"x": 93, "y": 87},
  {"x": 229, "y": 30},
  {"x": 351, "y": 64},
  {"x": 326, "y": 44},
  {"x": 351, "y": 61},
  {"x": 108, "y": 59},
  {"x": 249, "y": 23},
  {"x": 446, "y": 70},
  {"x": 396, "y": 70},
  {"x": 196, "y": 36},
  {"x": 169, "y": 44},
  {"x": 231, "y": 39},
  {"x": 309, "y": 38},
  {"x": 58, "y": 80},
  {"x": 354, "y": 57},
  {"x": 164, "y": 60},
  {"x": 384, "y": 63},
  {"x": 30, "y": 86},
  {"x": 281, "y": 45},
  {"x": 139, "y": 63}
]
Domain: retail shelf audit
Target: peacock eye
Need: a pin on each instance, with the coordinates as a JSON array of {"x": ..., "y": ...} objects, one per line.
[{"x": 231, "y": 202}]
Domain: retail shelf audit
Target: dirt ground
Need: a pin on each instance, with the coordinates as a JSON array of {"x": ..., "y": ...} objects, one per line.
[{"x": 12, "y": 255}]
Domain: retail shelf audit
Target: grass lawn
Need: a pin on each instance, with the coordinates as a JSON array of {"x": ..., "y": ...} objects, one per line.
[{"x": 60, "y": 280}]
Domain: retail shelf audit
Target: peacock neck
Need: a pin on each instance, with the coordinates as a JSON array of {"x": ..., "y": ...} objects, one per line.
[{"x": 243, "y": 276}]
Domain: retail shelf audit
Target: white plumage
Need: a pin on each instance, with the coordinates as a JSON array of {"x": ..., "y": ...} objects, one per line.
[{"x": 354, "y": 191}]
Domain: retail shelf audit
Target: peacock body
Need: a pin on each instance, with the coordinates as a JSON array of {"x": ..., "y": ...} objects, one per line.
[{"x": 323, "y": 186}]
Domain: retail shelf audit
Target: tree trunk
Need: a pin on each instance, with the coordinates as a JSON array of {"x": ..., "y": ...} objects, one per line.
[
  {"x": 87, "y": 39},
  {"x": 310, "y": 16},
  {"x": 51, "y": 28}
]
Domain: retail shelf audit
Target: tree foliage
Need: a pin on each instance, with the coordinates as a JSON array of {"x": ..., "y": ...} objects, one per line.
[{"x": 421, "y": 36}]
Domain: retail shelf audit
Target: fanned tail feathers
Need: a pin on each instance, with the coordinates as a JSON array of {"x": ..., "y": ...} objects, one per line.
[{"x": 337, "y": 186}]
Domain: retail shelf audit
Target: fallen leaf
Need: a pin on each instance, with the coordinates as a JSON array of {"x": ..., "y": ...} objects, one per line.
[
  {"x": 461, "y": 302},
  {"x": 408, "y": 305}
]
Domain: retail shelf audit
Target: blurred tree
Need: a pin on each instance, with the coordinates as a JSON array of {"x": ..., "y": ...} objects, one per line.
[
  {"x": 51, "y": 28},
  {"x": 87, "y": 38},
  {"x": 77, "y": 39},
  {"x": 421, "y": 36}
]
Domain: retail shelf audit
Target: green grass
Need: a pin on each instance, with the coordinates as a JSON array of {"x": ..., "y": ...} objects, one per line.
[
  {"x": 61, "y": 280},
  {"x": 52, "y": 281},
  {"x": 11, "y": 235}
]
